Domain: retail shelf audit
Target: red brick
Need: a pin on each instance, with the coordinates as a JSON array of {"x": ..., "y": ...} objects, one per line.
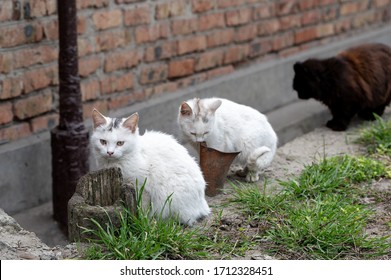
[
  {"x": 220, "y": 71},
  {"x": 165, "y": 87},
  {"x": 110, "y": 39},
  {"x": 327, "y": 2},
  {"x": 19, "y": 34},
  {"x": 221, "y": 4},
  {"x": 90, "y": 89},
  {"x": 151, "y": 33},
  {"x": 269, "y": 27},
  {"x": 43, "y": 123},
  {"x": 39, "y": 8},
  {"x": 221, "y": 37},
  {"x": 191, "y": 44},
  {"x": 262, "y": 12},
  {"x": 330, "y": 13},
  {"x": 137, "y": 16},
  {"x": 307, "y": 4},
  {"x": 184, "y": 26},
  {"x": 128, "y": 1},
  {"x": 89, "y": 65},
  {"x": 92, "y": 4},
  {"x": 210, "y": 21},
  {"x": 116, "y": 102},
  {"x": 381, "y": 3},
  {"x": 6, "y": 10},
  {"x": 290, "y": 22},
  {"x": 200, "y": 6},
  {"x": 349, "y": 8},
  {"x": 82, "y": 25},
  {"x": 311, "y": 17},
  {"x": 122, "y": 60},
  {"x": 238, "y": 17},
  {"x": 31, "y": 55},
  {"x": 260, "y": 47},
  {"x": 11, "y": 87},
  {"x": 153, "y": 74},
  {"x": 246, "y": 33},
  {"x": 6, "y": 114},
  {"x": 85, "y": 47},
  {"x": 180, "y": 68},
  {"x": 282, "y": 41},
  {"x": 14, "y": 132},
  {"x": 169, "y": 9},
  {"x": 343, "y": 25},
  {"x": 209, "y": 60},
  {"x": 161, "y": 51},
  {"x": 50, "y": 29},
  {"x": 33, "y": 105},
  {"x": 117, "y": 83},
  {"x": 39, "y": 78},
  {"x": 305, "y": 35},
  {"x": 6, "y": 62},
  {"x": 236, "y": 54},
  {"x": 107, "y": 19},
  {"x": 192, "y": 80},
  {"x": 326, "y": 29},
  {"x": 286, "y": 7}
]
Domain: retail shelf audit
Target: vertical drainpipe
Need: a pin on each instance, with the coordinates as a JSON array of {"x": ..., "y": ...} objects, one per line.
[{"x": 69, "y": 140}]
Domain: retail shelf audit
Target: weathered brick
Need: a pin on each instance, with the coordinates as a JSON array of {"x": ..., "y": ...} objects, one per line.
[
  {"x": 184, "y": 26},
  {"x": 146, "y": 34},
  {"x": 209, "y": 60},
  {"x": 107, "y": 19},
  {"x": 137, "y": 15},
  {"x": 50, "y": 29},
  {"x": 165, "y": 87},
  {"x": 169, "y": 9},
  {"x": 200, "y": 6},
  {"x": 81, "y": 25},
  {"x": 327, "y": 2},
  {"x": 343, "y": 25},
  {"x": 39, "y": 78},
  {"x": 160, "y": 51},
  {"x": 90, "y": 89},
  {"x": 19, "y": 34},
  {"x": 117, "y": 83},
  {"x": 153, "y": 74},
  {"x": 221, "y": 37},
  {"x": 246, "y": 33},
  {"x": 290, "y": 22},
  {"x": 238, "y": 17},
  {"x": 6, "y": 114},
  {"x": 32, "y": 55},
  {"x": 283, "y": 41},
  {"x": 89, "y": 65},
  {"x": 348, "y": 8},
  {"x": 14, "y": 132},
  {"x": 260, "y": 47},
  {"x": 381, "y": 3},
  {"x": 330, "y": 13},
  {"x": 210, "y": 21},
  {"x": 286, "y": 7},
  {"x": 33, "y": 105},
  {"x": 305, "y": 35},
  {"x": 269, "y": 27},
  {"x": 6, "y": 10},
  {"x": 124, "y": 100},
  {"x": 191, "y": 44},
  {"x": 44, "y": 122},
  {"x": 220, "y": 71},
  {"x": 326, "y": 29},
  {"x": 236, "y": 53},
  {"x": 192, "y": 80},
  {"x": 262, "y": 12},
  {"x": 222, "y": 4},
  {"x": 110, "y": 39},
  {"x": 85, "y": 47},
  {"x": 122, "y": 60},
  {"x": 307, "y": 4},
  {"x": 11, "y": 87},
  {"x": 6, "y": 62},
  {"x": 92, "y": 4},
  {"x": 180, "y": 68}
]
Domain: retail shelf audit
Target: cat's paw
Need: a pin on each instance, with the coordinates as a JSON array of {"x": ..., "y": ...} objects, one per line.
[
  {"x": 336, "y": 125},
  {"x": 237, "y": 170},
  {"x": 252, "y": 177}
]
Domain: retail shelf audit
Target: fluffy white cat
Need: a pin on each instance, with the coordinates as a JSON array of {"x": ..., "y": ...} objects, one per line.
[
  {"x": 229, "y": 127},
  {"x": 156, "y": 157}
]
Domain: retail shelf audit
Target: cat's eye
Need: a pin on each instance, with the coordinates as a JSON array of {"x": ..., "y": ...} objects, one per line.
[
  {"x": 103, "y": 142},
  {"x": 206, "y": 133},
  {"x": 120, "y": 143},
  {"x": 193, "y": 133}
]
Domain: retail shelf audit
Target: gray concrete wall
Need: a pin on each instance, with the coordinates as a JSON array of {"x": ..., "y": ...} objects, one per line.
[{"x": 25, "y": 166}]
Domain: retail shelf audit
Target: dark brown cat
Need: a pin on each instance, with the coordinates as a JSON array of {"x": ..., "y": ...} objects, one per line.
[{"x": 356, "y": 81}]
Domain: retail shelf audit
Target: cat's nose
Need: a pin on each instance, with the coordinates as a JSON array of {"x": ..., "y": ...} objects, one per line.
[{"x": 110, "y": 153}]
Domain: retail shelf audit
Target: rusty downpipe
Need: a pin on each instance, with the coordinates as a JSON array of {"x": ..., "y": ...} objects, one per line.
[{"x": 69, "y": 140}]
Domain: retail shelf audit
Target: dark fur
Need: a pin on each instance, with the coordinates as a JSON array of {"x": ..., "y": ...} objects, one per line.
[{"x": 357, "y": 81}]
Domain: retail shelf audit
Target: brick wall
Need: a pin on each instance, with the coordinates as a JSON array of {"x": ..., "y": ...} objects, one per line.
[{"x": 132, "y": 50}]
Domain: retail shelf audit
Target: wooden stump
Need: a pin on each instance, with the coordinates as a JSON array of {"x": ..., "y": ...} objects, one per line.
[{"x": 100, "y": 195}]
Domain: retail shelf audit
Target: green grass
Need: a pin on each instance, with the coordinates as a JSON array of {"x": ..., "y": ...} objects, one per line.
[
  {"x": 377, "y": 137},
  {"x": 317, "y": 215}
]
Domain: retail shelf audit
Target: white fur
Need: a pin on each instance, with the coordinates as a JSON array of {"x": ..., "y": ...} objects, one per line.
[
  {"x": 160, "y": 159},
  {"x": 227, "y": 126}
]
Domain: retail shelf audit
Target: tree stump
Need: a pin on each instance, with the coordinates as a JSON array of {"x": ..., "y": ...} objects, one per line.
[{"x": 100, "y": 195}]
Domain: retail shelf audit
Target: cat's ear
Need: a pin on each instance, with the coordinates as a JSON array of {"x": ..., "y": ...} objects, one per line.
[
  {"x": 186, "y": 110},
  {"x": 215, "y": 105},
  {"x": 131, "y": 123},
  {"x": 98, "y": 119},
  {"x": 298, "y": 67}
]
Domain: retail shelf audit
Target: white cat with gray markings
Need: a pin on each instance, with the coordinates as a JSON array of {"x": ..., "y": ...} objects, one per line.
[
  {"x": 229, "y": 127},
  {"x": 157, "y": 157}
]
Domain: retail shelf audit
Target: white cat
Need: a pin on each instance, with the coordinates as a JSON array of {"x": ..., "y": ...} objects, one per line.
[
  {"x": 157, "y": 157},
  {"x": 230, "y": 127}
]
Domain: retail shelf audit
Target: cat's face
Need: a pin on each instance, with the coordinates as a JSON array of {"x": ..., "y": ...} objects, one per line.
[
  {"x": 307, "y": 80},
  {"x": 113, "y": 138},
  {"x": 196, "y": 118}
]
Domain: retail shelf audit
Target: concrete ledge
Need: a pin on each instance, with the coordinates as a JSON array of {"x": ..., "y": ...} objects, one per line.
[{"x": 26, "y": 165}]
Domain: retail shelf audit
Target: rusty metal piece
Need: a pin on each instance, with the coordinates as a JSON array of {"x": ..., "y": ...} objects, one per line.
[{"x": 214, "y": 166}]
